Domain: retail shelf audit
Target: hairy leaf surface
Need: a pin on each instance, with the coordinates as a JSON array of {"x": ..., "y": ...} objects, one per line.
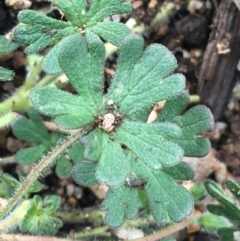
[
  {"x": 150, "y": 142},
  {"x": 82, "y": 62},
  {"x": 70, "y": 111},
  {"x": 136, "y": 68},
  {"x": 192, "y": 123},
  {"x": 120, "y": 203}
]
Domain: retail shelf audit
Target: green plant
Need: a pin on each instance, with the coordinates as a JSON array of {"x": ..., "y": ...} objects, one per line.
[
  {"x": 117, "y": 147},
  {"x": 6, "y": 47},
  {"x": 227, "y": 207}
]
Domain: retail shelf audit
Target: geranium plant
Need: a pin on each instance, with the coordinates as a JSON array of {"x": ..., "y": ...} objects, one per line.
[{"x": 116, "y": 146}]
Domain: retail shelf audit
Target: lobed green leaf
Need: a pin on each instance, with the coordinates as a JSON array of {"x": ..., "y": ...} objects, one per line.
[
  {"x": 112, "y": 32},
  {"x": 74, "y": 10},
  {"x": 192, "y": 123},
  {"x": 120, "y": 203},
  {"x": 150, "y": 142},
  {"x": 142, "y": 79},
  {"x": 112, "y": 167},
  {"x": 70, "y": 111},
  {"x": 100, "y": 9},
  {"x": 50, "y": 62},
  {"x": 84, "y": 173},
  {"x": 38, "y": 30},
  {"x": 31, "y": 130},
  {"x": 82, "y": 62}
]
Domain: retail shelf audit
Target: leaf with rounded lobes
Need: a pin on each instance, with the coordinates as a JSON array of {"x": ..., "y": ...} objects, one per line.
[
  {"x": 112, "y": 32},
  {"x": 30, "y": 155},
  {"x": 104, "y": 8},
  {"x": 174, "y": 107},
  {"x": 71, "y": 111},
  {"x": 6, "y": 45},
  {"x": 192, "y": 123},
  {"x": 84, "y": 173},
  {"x": 181, "y": 171},
  {"x": 82, "y": 62},
  {"x": 120, "y": 203},
  {"x": 150, "y": 142},
  {"x": 112, "y": 167},
  {"x": 6, "y": 74},
  {"x": 73, "y": 10},
  {"x": 143, "y": 78},
  {"x": 39, "y": 30},
  {"x": 31, "y": 130},
  {"x": 38, "y": 223},
  {"x": 166, "y": 197},
  {"x": 63, "y": 167},
  {"x": 50, "y": 62}
]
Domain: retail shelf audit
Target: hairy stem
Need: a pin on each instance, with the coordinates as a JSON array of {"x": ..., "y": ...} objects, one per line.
[{"x": 38, "y": 170}]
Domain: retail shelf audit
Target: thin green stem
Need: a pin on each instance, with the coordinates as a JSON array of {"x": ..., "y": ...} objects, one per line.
[
  {"x": 194, "y": 98},
  {"x": 38, "y": 170}
]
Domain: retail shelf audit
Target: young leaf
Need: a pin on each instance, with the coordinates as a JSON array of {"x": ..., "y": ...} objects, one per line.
[
  {"x": 192, "y": 123},
  {"x": 135, "y": 69},
  {"x": 120, "y": 203},
  {"x": 38, "y": 30},
  {"x": 74, "y": 10},
  {"x": 37, "y": 221},
  {"x": 82, "y": 62},
  {"x": 51, "y": 204},
  {"x": 150, "y": 142}
]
